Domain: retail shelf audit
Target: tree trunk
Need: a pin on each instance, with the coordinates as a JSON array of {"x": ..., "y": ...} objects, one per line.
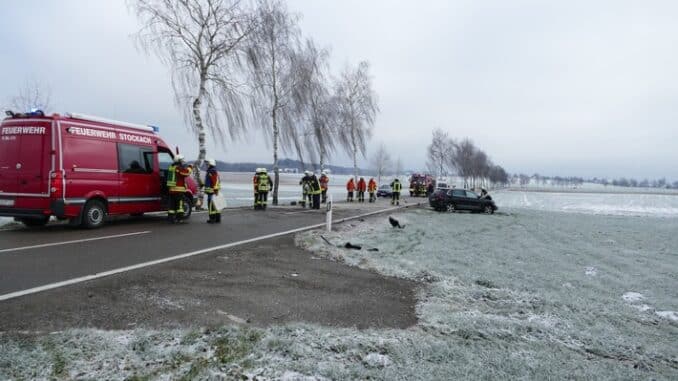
[
  {"x": 354, "y": 146},
  {"x": 276, "y": 171},
  {"x": 202, "y": 148},
  {"x": 322, "y": 156}
]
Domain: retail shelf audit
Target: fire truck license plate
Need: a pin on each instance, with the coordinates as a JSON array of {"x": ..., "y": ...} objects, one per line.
[{"x": 6, "y": 202}]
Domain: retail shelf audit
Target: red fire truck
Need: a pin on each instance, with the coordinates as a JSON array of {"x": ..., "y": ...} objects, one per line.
[
  {"x": 81, "y": 168},
  {"x": 419, "y": 183}
]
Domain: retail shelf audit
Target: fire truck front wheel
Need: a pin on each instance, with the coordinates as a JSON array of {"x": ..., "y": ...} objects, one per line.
[{"x": 93, "y": 214}]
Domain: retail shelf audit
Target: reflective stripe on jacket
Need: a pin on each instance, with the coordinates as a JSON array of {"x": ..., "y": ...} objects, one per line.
[
  {"x": 262, "y": 183},
  {"x": 176, "y": 178},
  {"x": 396, "y": 186},
  {"x": 315, "y": 185},
  {"x": 212, "y": 182}
]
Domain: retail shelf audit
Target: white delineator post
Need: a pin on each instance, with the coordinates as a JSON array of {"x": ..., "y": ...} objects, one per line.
[{"x": 328, "y": 214}]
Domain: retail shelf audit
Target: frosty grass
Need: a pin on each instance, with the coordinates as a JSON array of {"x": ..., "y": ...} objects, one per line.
[{"x": 521, "y": 294}]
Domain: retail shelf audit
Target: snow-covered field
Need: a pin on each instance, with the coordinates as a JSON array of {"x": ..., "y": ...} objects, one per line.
[
  {"x": 523, "y": 294},
  {"x": 622, "y": 204}
]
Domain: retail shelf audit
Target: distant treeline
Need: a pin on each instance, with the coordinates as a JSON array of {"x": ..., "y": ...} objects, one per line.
[
  {"x": 523, "y": 179},
  {"x": 285, "y": 165}
]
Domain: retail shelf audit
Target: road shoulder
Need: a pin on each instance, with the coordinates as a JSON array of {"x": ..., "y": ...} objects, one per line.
[{"x": 264, "y": 283}]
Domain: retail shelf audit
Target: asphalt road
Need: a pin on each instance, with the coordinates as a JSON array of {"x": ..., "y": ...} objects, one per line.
[{"x": 31, "y": 258}]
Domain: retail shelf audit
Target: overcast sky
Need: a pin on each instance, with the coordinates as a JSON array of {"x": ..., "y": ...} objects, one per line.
[{"x": 570, "y": 88}]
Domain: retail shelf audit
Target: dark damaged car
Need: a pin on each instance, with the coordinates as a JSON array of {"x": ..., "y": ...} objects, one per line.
[{"x": 460, "y": 199}]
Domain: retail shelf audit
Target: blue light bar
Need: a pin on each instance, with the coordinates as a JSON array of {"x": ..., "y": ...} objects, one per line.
[{"x": 155, "y": 128}]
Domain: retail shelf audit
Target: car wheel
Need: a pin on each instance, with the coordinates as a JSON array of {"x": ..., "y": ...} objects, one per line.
[
  {"x": 451, "y": 207},
  {"x": 35, "y": 222},
  {"x": 188, "y": 206},
  {"x": 488, "y": 209},
  {"x": 94, "y": 214}
]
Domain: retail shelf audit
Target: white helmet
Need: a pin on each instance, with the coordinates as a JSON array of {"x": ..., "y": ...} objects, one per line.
[
  {"x": 323, "y": 172},
  {"x": 212, "y": 162},
  {"x": 307, "y": 173},
  {"x": 178, "y": 158},
  {"x": 263, "y": 170},
  {"x": 258, "y": 170}
]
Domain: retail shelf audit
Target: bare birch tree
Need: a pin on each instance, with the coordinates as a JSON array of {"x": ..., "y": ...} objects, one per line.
[
  {"x": 202, "y": 42},
  {"x": 439, "y": 152},
  {"x": 33, "y": 95},
  {"x": 315, "y": 105},
  {"x": 273, "y": 56},
  {"x": 381, "y": 161},
  {"x": 357, "y": 108}
]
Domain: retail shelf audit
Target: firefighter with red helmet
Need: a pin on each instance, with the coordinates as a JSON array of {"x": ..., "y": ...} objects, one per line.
[
  {"x": 177, "y": 173},
  {"x": 212, "y": 186}
]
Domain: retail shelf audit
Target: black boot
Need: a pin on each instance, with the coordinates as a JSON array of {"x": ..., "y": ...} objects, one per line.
[{"x": 218, "y": 218}]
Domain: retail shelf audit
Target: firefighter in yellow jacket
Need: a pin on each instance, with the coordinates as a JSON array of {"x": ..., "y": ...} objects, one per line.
[
  {"x": 262, "y": 185},
  {"x": 396, "y": 187},
  {"x": 177, "y": 173}
]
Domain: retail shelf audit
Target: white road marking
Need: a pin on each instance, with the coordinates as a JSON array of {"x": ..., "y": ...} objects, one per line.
[
  {"x": 86, "y": 278},
  {"x": 70, "y": 242}
]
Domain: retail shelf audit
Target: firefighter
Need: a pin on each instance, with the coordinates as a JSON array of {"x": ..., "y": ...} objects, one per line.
[
  {"x": 350, "y": 187},
  {"x": 255, "y": 183},
  {"x": 362, "y": 187},
  {"x": 396, "y": 186},
  {"x": 264, "y": 185},
  {"x": 372, "y": 188},
  {"x": 306, "y": 196},
  {"x": 324, "y": 182},
  {"x": 315, "y": 191},
  {"x": 212, "y": 186},
  {"x": 176, "y": 183}
]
